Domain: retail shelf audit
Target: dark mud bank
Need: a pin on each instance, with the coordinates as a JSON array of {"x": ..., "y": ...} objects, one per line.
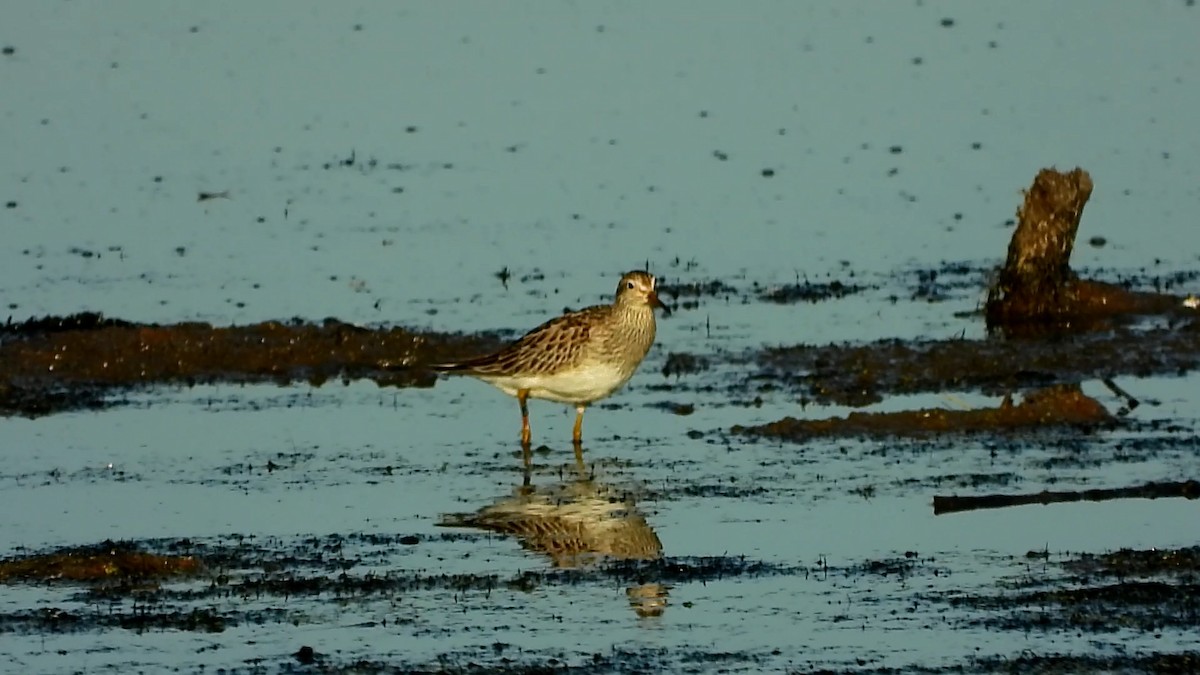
[
  {"x": 62, "y": 363},
  {"x": 209, "y": 586},
  {"x": 81, "y": 361}
]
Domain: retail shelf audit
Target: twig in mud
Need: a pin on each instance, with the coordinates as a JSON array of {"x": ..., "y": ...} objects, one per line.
[
  {"x": 1189, "y": 489},
  {"x": 1131, "y": 403}
]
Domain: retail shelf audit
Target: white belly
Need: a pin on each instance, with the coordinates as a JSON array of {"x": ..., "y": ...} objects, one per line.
[{"x": 581, "y": 385}]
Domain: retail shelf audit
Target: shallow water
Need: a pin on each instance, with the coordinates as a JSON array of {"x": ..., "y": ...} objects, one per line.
[{"x": 383, "y": 163}]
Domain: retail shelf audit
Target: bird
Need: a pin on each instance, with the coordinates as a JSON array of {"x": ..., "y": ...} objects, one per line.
[
  {"x": 576, "y": 523},
  {"x": 577, "y": 358},
  {"x": 580, "y": 522}
]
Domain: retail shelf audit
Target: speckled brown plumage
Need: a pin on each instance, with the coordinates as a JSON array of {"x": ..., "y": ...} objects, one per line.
[
  {"x": 574, "y": 523},
  {"x": 551, "y": 346},
  {"x": 576, "y": 358}
]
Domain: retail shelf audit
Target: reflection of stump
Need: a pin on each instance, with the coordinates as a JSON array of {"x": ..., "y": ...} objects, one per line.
[{"x": 1036, "y": 284}]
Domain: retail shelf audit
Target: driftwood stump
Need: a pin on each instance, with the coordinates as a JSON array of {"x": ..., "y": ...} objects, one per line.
[{"x": 1036, "y": 284}]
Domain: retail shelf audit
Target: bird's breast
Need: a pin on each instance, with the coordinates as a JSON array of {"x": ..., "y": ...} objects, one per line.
[{"x": 582, "y": 384}]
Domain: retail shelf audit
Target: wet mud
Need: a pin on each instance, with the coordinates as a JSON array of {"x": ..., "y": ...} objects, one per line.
[
  {"x": 1061, "y": 405},
  {"x": 174, "y": 583},
  {"x": 212, "y": 586},
  {"x": 591, "y": 535},
  {"x": 860, "y": 374},
  {"x": 809, "y": 291},
  {"x": 585, "y": 532},
  {"x": 108, "y": 561},
  {"x": 1061, "y": 329},
  {"x": 1128, "y": 590},
  {"x": 53, "y": 364}
]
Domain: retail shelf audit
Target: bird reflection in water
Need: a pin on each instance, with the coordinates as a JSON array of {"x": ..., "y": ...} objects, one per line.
[{"x": 578, "y": 523}]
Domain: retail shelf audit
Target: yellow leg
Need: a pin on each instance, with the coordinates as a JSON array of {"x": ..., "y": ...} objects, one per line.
[
  {"x": 577, "y": 434},
  {"x": 522, "y": 397},
  {"x": 579, "y": 458},
  {"x": 527, "y": 469}
]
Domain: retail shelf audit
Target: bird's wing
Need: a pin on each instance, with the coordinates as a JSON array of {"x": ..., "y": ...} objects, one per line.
[{"x": 544, "y": 349}]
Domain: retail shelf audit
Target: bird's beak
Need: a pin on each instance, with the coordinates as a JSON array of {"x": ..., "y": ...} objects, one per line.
[{"x": 655, "y": 302}]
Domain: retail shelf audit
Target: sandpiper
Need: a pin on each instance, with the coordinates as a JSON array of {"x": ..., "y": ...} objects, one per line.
[{"x": 577, "y": 358}]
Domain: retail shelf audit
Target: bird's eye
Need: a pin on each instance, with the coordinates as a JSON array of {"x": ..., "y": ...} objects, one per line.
[{"x": 629, "y": 285}]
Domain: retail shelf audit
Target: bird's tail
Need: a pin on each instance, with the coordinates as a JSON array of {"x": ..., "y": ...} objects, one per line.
[
  {"x": 465, "y": 366},
  {"x": 411, "y": 365}
]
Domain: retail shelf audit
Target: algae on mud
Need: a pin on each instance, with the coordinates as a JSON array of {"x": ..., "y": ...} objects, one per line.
[
  {"x": 280, "y": 581},
  {"x": 214, "y": 575},
  {"x": 1059, "y": 405},
  {"x": 62, "y": 363},
  {"x": 54, "y": 364},
  {"x": 107, "y": 562},
  {"x": 1055, "y": 330}
]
